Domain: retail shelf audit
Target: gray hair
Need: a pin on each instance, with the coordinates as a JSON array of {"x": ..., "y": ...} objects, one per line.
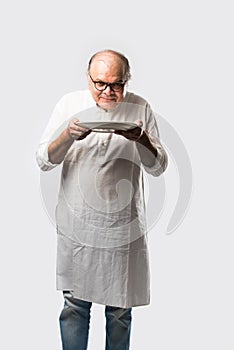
[{"x": 124, "y": 60}]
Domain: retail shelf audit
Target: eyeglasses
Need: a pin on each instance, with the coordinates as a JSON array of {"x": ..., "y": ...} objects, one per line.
[{"x": 101, "y": 85}]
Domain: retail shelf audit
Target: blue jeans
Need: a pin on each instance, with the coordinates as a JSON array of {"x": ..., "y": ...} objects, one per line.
[{"x": 74, "y": 325}]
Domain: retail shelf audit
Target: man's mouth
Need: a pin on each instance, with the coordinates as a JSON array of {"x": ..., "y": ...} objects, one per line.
[{"x": 108, "y": 98}]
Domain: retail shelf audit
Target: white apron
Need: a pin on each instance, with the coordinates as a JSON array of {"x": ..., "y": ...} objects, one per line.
[{"x": 102, "y": 253}]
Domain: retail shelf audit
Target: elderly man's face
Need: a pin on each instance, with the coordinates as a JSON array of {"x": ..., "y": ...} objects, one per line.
[{"x": 106, "y": 68}]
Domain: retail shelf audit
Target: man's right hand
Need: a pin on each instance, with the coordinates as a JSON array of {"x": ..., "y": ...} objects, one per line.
[
  {"x": 59, "y": 147},
  {"x": 77, "y": 132}
]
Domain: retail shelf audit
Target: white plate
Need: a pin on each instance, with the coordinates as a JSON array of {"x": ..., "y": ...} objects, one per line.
[{"x": 110, "y": 126}]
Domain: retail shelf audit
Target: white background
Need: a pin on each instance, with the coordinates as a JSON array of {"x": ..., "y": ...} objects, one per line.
[{"x": 181, "y": 53}]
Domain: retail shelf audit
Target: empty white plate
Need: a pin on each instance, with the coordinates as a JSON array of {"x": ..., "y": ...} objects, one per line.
[{"x": 108, "y": 126}]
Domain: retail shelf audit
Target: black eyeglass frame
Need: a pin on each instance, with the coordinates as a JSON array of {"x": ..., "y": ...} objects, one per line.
[{"x": 120, "y": 85}]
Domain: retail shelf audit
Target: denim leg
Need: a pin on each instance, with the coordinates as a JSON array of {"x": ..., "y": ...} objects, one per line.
[
  {"x": 118, "y": 327},
  {"x": 74, "y": 323}
]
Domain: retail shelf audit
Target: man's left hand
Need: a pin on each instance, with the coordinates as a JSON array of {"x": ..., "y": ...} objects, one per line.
[{"x": 132, "y": 134}]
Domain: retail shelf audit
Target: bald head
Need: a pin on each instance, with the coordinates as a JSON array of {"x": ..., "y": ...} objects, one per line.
[{"x": 111, "y": 61}]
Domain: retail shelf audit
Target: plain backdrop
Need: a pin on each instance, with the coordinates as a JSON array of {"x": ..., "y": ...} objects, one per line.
[{"x": 181, "y": 54}]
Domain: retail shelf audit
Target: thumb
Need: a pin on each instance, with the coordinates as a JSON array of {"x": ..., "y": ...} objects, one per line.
[
  {"x": 139, "y": 122},
  {"x": 75, "y": 121}
]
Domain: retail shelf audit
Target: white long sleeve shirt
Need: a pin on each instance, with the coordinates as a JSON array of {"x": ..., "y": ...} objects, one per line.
[{"x": 102, "y": 251}]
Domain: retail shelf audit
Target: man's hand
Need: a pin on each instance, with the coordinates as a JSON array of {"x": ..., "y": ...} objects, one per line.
[
  {"x": 59, "y": 147},
  {"x": 145, "y": 148},
  {"x": 77, "y": 132},
  {"x": 132, "y": 134}
]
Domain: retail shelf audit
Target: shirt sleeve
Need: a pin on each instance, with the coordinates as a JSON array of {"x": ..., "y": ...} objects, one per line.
[
  {"x": 151, "y": 128},
  {"x": 54, "y": 128}
]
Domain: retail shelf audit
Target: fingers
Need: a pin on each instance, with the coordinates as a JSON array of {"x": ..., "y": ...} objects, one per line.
[
  {"x": 76, "y": 131},
  {"x": 84, "y": 134},
  {"x": 139, "y": 122},
  {"x": 132, "y": 134}
]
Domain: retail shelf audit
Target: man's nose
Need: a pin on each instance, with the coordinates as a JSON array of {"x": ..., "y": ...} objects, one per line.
[{"x": 108, "y": 90}]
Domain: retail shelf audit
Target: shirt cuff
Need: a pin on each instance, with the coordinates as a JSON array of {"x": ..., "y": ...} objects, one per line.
[
  {"x": 43, "y": 159},
  {"x": 161, "y": 161}
]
